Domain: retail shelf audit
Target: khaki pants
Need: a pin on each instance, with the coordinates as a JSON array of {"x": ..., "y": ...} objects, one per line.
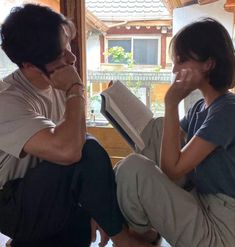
[{"x": 149, "y": 199}]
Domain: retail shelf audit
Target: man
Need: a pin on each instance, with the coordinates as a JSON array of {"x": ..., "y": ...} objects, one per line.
[{"x": 53, "y": 177}]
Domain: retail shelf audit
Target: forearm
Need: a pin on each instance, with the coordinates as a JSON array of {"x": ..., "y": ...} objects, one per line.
[
  {"x": 70, "y": 133},
  {"x": 170, "y": 148}
]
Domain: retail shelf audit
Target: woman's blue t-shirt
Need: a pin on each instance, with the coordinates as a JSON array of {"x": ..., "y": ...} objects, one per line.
[{"x": 215, "y": 124}]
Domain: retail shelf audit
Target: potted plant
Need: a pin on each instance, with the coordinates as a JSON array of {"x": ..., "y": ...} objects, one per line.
[{"x": 119, "y": 59}]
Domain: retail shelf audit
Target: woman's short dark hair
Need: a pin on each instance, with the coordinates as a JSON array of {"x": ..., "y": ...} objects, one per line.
[
  {"x": 206, "y": 39},
  {"x": 31, "y": 33}
]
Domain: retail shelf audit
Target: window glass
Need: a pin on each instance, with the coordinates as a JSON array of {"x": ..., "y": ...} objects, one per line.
[
  {"x": 125, "y": 44},
  {"x": 145, "y": 51}
]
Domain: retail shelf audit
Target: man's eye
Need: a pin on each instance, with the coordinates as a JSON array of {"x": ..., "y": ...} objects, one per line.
[{"x": 61, "y": 55}]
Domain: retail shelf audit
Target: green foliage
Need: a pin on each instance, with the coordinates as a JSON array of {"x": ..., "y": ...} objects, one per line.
[
  {"x": 118, "y": 55},
  {"x": 158, "y": 68}
]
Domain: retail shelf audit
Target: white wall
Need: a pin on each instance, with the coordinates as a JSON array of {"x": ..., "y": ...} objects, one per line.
[
  {"x": 185, "y": 15},
  {"x": 93, "y": 52}
]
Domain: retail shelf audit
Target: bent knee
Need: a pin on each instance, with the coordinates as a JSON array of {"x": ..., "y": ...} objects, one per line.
[
  {"x": 133, "y": 164},
  {"x": 92, "y": 146}
]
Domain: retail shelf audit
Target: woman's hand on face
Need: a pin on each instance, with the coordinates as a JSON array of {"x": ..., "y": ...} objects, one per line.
[
  {"x": 186, "y": 81},
  {"x": 64, "y": 77}
]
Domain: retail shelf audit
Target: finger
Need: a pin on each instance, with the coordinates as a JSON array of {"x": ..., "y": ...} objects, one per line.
[
  {"x": 188, "y": 75},
  {"x": 110, "y": 83},
  {"x": 183, "y": 74}
]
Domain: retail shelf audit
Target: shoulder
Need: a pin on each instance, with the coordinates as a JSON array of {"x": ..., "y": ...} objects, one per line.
[{"x": 224, "y": 105}]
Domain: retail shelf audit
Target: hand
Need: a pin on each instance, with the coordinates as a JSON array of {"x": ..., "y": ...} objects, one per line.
[
  {"x": 186, "y": 81},
  {"x": 64, "y": 77},
  {"x": 104, "y": 238},
  {"x": 110, "y": 83}
]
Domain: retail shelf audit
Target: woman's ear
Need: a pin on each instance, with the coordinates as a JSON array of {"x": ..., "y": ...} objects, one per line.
[{"x": 209, "y": 65}]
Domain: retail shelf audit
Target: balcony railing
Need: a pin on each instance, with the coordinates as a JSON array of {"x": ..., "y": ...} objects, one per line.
[{"x": 146, "y": 78}]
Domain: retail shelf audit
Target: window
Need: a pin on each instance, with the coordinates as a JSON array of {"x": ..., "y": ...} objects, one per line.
[{"x": 145, "y": 50}]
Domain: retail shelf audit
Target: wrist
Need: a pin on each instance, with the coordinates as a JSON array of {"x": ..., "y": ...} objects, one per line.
[
  {"x": 71, "y": 96},
  {"x": 171, "y": 106},
  {"x": 75, "y": 88}
]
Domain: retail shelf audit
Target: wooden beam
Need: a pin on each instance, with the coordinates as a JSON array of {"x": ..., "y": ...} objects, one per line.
[
  {"x": 172, "y": 4},
  {"x": 144, "y": 23},
  {"x": 94, "y": 22},
  {"x": 75, "y": 10}
]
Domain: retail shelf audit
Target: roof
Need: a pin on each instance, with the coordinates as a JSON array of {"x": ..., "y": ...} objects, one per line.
[
  {"x": 128, "y": 10},
  {"x": 93, "y": 22}
]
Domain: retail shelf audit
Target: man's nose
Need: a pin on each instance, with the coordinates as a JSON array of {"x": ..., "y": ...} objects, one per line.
[{"x": 70, "y": 58}]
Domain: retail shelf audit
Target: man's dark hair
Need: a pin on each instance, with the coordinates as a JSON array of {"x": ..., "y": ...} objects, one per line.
[
  {"x": 206, "y": 39},
  {"x": 31, "y": 33}
]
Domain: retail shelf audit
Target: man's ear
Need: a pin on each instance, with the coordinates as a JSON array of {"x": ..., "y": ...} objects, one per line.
[
  {"x": 209, "y": 65},
  {"x": 31, "y": 68}
]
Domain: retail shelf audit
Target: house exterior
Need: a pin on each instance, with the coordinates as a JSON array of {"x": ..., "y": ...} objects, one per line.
[{"x": 143, "y": 27}]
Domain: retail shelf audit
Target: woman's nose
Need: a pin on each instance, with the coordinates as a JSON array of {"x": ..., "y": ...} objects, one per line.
[{"x": 175, "y": 68}]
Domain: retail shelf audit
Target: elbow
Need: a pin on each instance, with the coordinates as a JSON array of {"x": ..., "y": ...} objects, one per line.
[
  {"x": 70, "y": 155},
  {"x": 71, "y": 158},
  {"x": 171, "y": 171},
  {"x": 173, "y": 174}
]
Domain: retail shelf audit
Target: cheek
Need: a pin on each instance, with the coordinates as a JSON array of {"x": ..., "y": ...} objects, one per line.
[{"x": 55, "y": 65}]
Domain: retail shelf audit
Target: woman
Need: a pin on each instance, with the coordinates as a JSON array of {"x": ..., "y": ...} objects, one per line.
[{"x": 204, "y": 214}]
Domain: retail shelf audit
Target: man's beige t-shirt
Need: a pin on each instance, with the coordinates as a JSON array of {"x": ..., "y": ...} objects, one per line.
[{"x": 24, "y": 110}]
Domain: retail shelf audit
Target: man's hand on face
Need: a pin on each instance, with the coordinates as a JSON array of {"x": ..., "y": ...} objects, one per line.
[{"x": 64, "y": 77}]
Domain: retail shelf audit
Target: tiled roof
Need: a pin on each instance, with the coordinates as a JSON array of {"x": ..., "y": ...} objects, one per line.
[{"x": 127, "y": 10}]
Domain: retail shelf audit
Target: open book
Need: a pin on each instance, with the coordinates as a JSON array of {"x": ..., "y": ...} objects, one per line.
[{"x": 126, "y": 113}]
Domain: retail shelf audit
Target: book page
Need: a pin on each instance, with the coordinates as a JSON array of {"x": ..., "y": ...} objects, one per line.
[
  {"x": 134, "y": 111},
  {"x": 121, "y": 123}
]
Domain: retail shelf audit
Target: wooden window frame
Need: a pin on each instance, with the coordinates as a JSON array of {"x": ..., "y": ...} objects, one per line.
[{"x": 75, "y": 10}]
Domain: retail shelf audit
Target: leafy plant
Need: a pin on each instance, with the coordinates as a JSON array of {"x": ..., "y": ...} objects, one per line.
[{"x": 117, "y": 54}]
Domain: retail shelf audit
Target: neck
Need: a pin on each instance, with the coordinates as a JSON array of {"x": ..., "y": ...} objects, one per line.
[
  {"x": 36, "y": 78},
  {"x": 210, "y": 94}
]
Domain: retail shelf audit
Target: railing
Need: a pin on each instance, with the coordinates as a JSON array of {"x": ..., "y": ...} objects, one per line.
[
  {"x": 144, "y": 77},
  {"x": 141, "y": 79}
]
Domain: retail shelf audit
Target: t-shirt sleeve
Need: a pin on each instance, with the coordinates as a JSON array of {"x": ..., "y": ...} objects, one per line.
[
  {"x": 18, "y": 122},
  {"x": 219, "y": 125},
  {"x": 184, "y": 124}
]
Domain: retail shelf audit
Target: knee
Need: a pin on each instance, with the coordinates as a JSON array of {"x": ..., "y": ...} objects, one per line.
[
  {"x": 94, "y": 154},
  {"x": 93, "y": 147},
  {"x": 134, "y": 165}
]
